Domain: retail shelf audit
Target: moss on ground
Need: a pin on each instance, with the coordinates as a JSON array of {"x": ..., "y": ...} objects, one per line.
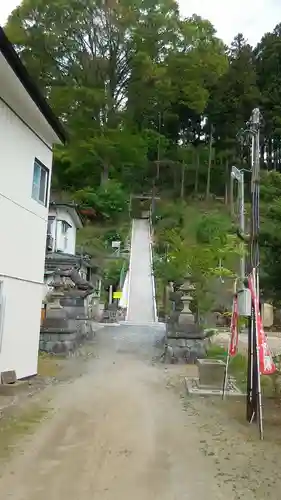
[
  {"x": 48, "y": 365},
  {"x": 13, "y": 428}
]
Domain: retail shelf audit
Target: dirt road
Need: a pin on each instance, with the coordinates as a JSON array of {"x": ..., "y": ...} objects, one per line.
[{"x": 121, "y": 432}]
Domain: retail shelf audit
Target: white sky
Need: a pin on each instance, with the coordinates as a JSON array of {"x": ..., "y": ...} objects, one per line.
[{"x": 253, "y": 18}]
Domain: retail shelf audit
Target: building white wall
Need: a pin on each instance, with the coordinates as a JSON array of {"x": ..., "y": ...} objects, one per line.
[
  {"x": 62, "y": 214},
  {"x": 14, "y": 94},
  {"x": 23, "y": 227},
  {"x": 20, "y": 330}
]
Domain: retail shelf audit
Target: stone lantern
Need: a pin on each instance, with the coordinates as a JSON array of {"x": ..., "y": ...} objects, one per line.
[
  {"x": 186, "y": 316},
  {"x": 58, "y": 292}
]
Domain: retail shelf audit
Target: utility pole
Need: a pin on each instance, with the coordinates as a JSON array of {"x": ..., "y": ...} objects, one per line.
[
  {"x": 158, "y": 146},
  {"x": 253, "y": 380},
  {"x": 208, "y": 186},
  {"x": 152, "y": 206}
]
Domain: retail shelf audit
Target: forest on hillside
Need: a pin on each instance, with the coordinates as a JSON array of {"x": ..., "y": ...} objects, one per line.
[{"x": 149, "y": 98}]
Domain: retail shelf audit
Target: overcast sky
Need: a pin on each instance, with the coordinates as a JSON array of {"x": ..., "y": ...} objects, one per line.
[{"x": 253, "y": 18}]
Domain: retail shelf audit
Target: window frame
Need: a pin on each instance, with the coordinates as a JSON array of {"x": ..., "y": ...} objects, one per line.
[
  {"x": 51, "y": 220},
  {"x": 43, "y": 168},
  {"x": 65, "y": 226}
]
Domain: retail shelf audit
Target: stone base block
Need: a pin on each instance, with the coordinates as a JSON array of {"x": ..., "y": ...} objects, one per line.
[
  {"x": 13, "y": 389},
  {"x": 194, "y": 388},
  {"x": 8, "y": 377},
  {"x": 62, "y": 342},
  {"x": 211, "y": 372},
  {"x": 187, "y": 351}
]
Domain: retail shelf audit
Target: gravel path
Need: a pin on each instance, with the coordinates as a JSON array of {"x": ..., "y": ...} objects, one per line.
[
  {"x": 126, "y": 430},
  {"x": 274, "y": 342}
]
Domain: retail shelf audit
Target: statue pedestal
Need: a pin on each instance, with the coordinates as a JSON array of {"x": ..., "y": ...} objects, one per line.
[
  {"x": 54, "y": 302},
  {"x": 211, "y": 372},
  {"x": 185, "y": 339},
  {"x": 65, "y": 325}
]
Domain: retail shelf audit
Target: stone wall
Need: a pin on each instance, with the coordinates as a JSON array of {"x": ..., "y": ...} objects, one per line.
[
  {"x": 65, "y": 342},
  {"x": 65, "y": 327}
]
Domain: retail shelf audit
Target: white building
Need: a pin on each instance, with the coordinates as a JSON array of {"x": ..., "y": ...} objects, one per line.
[
  {"x": 63, "y": 222},
  {"x": 61, "y": 253},
  {"x": 28, "y": 131}
]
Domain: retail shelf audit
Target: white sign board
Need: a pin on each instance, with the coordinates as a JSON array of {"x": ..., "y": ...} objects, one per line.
[{"x": 116, "y": 244}]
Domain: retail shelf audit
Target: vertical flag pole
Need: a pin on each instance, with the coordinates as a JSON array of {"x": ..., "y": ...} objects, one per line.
[
  {"x": 253, "y": 371},
  {"x": 257, "y": 343},
  {"x": 226, "y": 368},
  {"x": 250, "y": 376}
]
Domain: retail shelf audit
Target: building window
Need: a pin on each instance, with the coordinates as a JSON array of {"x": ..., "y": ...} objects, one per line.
[
  {"x": 51, "y": 220},
  {"x": 65, "y": 227},
  {"x": 40, "y": 182},
  {"x": 64, "y": 230}
]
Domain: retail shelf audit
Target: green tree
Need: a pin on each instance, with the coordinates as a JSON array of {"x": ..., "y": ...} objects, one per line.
[
  {"x": 206, "y": 252},
  {"x": 267, "y": 57},
  {"x": 231, "y": 102},
  {"x": 82, "y": 53},
  {"x": 108, "y": 200},
  {"x": 109, "y": 70},
  {"x": 270, "y": 239}
]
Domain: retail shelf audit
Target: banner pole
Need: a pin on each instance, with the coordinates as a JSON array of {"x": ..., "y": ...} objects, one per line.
[
  {"x": 253, "y": 128},
  {"x": 225, "y": 374},
  {"x": 250, "y": 385},
  {"x": 259, "y": 397}
]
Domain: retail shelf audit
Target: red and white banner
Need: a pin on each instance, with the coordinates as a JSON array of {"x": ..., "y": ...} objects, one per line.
[
  {"x": 233, "y": 346},
  {"x": 267, "y": 366}
]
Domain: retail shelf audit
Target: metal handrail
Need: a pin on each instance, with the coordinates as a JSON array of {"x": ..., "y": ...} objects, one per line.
[
  {"x": 151, "y": 256},
  {"x": 129, "y": 272}
]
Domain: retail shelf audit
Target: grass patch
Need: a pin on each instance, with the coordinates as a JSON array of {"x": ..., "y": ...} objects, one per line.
[
  {"x": 92, "y": 237},
  {"x": 237, "y": 365},
  {"x": 16, "y": 427},
  {"x": 48, "y": 365},
  {"x": 238, "y": 369},
  {"x": 190, "y": 214},
  {"x": 217, "y": 352}
]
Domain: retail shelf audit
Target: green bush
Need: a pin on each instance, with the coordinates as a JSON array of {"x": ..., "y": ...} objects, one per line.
[
  {"x": 212, "y": 227},
  {"x": 270, "y": 186},
  {"x": 109, "y": 200},
  {"x": 113, "y": 235},
  {"x": 170, "y": 215},
  {"x": 112, "y": 272}
]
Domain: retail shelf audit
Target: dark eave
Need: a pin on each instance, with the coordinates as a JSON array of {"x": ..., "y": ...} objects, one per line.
[
  {"x": 69, "y": 204},
  {"x": 12, "y": 58},
  {"x": 54, "y": 260}
]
